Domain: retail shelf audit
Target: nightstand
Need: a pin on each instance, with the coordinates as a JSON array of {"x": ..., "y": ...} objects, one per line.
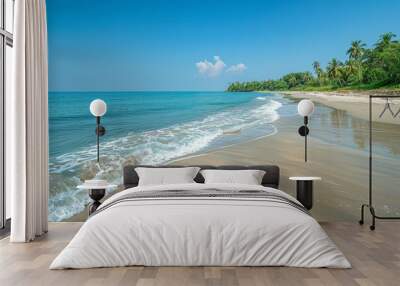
[
  {"x": 96, "y": 193},
  {"x": 304, "y": 190}
]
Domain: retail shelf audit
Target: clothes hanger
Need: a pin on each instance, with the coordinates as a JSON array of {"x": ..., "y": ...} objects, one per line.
[
  {"x": 387, "y": 107},
  {"x": 397, "y": 113}
]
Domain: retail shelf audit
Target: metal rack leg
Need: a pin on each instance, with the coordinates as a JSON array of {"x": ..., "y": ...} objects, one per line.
[
  {"x": 372, "y": 210},
  {"x": 361, "y": 221},
  {"x": 374, "y": 216}
]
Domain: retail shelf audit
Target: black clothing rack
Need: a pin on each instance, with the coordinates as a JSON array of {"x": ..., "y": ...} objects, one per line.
[{"x": 370, "y": 202}]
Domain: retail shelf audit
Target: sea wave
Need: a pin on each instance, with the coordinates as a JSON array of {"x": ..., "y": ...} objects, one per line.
[{"x": 149, "y": 147}]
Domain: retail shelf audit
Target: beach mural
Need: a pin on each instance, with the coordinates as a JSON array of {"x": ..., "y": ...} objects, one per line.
[{"x": 182, "y": 104}]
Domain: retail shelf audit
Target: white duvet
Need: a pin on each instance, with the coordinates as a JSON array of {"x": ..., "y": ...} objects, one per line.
[{"x": 193, "y": 231}]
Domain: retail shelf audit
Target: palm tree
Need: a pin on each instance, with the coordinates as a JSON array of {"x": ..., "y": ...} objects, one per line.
[
  {"x": 333, "y": 69},
  {"x": 345, "y": 73},
  {"x": 353, "y": 66},
  {"x": 356, "y": 50},
  {"x": 385, "y": 40},
  {"x": 317, "y": 68},
  {"x": 356, "y": 53}
]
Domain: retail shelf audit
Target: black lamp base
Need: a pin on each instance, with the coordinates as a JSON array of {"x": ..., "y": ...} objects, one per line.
[
  {"x": 96, "y": 195},
  {"x": 304, "y": 131},
  {"x": 100, "y": 130}
]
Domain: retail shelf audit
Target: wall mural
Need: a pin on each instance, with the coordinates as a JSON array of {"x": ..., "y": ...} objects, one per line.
[{"x": 188, "y": 82}]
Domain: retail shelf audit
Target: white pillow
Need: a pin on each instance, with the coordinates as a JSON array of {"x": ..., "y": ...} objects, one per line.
[
  {"x": 165, "y": 176},
  {"x": 248, "y": 177}
]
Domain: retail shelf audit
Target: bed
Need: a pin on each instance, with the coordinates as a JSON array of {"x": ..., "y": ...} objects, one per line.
[{"x": 198, "y": 224}]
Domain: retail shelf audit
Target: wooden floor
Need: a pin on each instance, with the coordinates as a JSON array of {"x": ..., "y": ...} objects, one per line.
[{"x": 375, "y": 257}]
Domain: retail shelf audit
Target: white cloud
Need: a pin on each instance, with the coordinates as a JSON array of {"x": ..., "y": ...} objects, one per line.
[
  {"x": 214, "y": 69},
  {"x": 237, "y": 68},
  {"x": 211, "y": 69}
]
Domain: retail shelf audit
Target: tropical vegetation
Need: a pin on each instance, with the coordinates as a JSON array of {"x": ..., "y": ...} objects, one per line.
[{"x": 364, "y": 68}]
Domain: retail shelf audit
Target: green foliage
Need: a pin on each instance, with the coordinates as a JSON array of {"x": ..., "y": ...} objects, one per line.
[{"x": 377, "y": 67}]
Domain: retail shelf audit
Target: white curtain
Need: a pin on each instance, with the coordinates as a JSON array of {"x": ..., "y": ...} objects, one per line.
[{"x": 27, "y": 123}]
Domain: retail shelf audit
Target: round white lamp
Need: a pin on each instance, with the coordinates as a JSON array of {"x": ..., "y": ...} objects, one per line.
[
  {"x": 305, "y": 109},
  {"x": 98, "y": 108}
]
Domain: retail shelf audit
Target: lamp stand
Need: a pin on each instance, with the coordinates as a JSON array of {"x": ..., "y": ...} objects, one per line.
[
  {"x": 100, "y": 131},
  {"x": 304, "y": 131},
  {"x": 305, "y": 138},
  {"x": 98, "y": 138}
]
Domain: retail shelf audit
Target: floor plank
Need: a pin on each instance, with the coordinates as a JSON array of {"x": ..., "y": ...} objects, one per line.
[{"x": 375, "y": 257}]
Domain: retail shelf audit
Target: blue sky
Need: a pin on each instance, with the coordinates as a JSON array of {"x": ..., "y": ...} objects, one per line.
[{"x": 104, "y": 45}]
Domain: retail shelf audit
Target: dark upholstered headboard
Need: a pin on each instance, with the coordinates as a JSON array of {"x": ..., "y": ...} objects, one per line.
[{"x": 271, "y": 177}]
